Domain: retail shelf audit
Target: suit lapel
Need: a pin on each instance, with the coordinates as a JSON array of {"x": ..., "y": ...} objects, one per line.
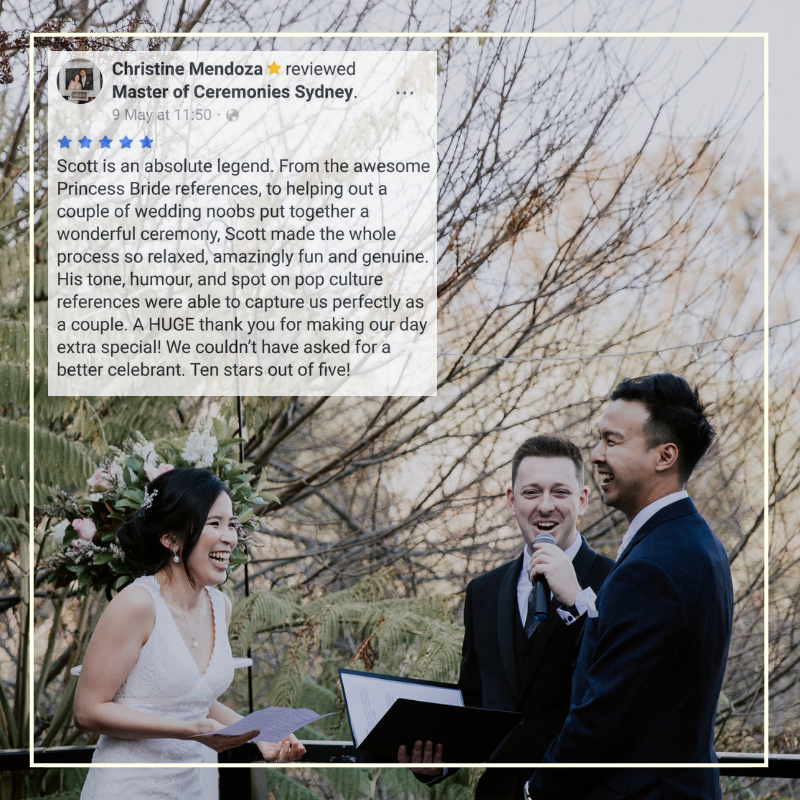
[
  {"x": 507, "y": 606},
  {"x": 680, "y": 508},
  {"x": 582, "y": 563}
]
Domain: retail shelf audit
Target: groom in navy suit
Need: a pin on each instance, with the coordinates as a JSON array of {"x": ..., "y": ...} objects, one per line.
[{"x": 654, "y": 647}]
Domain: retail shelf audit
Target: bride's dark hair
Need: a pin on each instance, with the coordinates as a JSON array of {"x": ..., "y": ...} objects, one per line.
[{"x": 181, "y": 500}]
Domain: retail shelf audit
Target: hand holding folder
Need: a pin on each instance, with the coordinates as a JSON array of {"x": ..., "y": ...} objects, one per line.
[{"x": 386, "y": 712}]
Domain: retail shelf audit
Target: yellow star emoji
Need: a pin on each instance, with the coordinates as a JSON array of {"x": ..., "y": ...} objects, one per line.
[{"x": 274, "y": 69}]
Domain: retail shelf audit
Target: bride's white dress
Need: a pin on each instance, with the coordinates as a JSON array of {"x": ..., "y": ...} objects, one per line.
[{"x": 165, "y": 681}]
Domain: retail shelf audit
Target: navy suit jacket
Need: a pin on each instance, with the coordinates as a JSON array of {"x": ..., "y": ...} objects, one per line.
[
  {"x": 489, "y": 676},
  {"x": 649, "y": 669}
]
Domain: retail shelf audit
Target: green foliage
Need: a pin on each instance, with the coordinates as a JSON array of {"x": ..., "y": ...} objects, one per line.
[
  {"x": 285, "y": 788},
  {"x": 14, "y": 492},
  {"x": 260, "y": 612},
  {"x": 12, "y": 532},
  {"x": 14, "y": 382},
  {"x": 415, "y": 637},
  {"x": 56, "y": 784},
  {"x": 60, "y": 461},
  {"x": 14, "y": 447},
  {"x": 351, "y": 784}
]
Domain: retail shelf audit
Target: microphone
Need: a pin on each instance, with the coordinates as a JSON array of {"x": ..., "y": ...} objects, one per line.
[{"x": 541, "y": 591}]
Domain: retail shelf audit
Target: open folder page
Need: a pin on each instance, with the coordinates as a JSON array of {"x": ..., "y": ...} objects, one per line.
[{"x": 369, "y": 696}]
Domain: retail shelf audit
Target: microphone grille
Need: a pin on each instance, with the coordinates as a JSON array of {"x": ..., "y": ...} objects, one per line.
[{"x": 544, "y": 538}]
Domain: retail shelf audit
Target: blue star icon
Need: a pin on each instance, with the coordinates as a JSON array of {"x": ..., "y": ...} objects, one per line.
[
  {"x": 64, "y": 142},
  {"x": 126, "y": 142},
  {"x": 146, "y": 142},
  {"x": 105, "y": 142},
  {"x": 85, "y": 142}
]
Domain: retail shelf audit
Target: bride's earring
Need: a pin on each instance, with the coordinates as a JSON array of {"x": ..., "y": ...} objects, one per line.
[{"x": 175, "y": 558}]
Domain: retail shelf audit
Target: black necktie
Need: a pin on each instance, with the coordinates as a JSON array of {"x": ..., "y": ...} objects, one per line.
[{"x": 531, "y": 623}]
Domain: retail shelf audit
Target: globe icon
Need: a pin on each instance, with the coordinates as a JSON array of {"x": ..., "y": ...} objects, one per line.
[{"x": 232, "y": 115}]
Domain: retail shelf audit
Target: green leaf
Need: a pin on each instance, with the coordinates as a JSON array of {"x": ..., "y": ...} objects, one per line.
[
  {"x": 246, "y": 515},
  {"x": 219, "y": 430},
  {"x": 134, "y": 462}
]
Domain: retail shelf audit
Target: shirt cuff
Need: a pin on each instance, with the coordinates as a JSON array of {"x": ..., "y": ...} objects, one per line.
[{"x": 584, "y": 604}]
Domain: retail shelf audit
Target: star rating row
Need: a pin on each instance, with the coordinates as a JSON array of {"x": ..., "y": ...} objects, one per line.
[{"x": 104, "y": 142}]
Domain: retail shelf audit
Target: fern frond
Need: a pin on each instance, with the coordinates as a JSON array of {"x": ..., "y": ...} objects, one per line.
[
  {"x": 312, "y": 695},
  {"x": 351, "y": 784},
  {"x": 440, "y": 653},
  {"x": 282, "y": 787},
  {"x": 59, "y": 460},
  {"x": 13, "y": 340},
  {"x": 260, "y": 612},
  {"x": 14, "y": 493},
  {"x": 14, "y": 383},
  {"x": 13, "y": 448},
  {"x": 288, "y": 680},
  {"x": 12, "y": 531}
]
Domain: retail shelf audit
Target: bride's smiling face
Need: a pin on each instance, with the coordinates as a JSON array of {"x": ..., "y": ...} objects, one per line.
[{"x": 208, "y": 561}]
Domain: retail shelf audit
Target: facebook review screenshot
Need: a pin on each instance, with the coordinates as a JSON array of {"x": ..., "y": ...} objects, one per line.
[{"x": 225, "y": 223}]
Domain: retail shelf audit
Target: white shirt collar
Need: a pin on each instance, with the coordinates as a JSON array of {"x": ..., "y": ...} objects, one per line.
[{"x": 645, "y": 514}]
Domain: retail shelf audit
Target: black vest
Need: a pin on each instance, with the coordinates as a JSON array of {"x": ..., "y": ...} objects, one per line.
[{"x": 523, "y": 648}]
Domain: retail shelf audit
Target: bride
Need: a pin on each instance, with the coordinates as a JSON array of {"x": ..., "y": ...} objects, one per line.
[{"x": 160, "y": 657}]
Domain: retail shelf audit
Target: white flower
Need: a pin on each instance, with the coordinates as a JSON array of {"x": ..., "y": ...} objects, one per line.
[
  {"x": 200, "y": 449},
  {"x": 96, "y": 497},
  {"x": 147, "y": 451},
  {"x": 59, "y": 531}
]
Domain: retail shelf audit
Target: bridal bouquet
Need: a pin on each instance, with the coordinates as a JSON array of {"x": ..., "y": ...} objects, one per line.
[{"x": 83, "y": 528}]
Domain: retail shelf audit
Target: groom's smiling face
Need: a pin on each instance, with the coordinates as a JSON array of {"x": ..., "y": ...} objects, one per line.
[{"x": 623, "y": 459}]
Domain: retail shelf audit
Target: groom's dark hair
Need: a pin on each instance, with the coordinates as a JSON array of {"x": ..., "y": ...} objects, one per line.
[{"x": 676, "y": 415}]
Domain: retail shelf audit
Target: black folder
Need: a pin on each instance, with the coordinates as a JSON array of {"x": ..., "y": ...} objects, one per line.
[{"x": 466, "y": 734}]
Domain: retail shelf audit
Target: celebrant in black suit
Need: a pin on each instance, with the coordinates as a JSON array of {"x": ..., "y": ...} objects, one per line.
[{"x": 509, "y": 661}]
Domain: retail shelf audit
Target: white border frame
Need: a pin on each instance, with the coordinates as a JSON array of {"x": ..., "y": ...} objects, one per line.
[{"x": 432, "y": 34}]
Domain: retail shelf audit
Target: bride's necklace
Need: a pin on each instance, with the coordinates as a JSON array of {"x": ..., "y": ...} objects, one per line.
[{"x": 186, "y": 617}]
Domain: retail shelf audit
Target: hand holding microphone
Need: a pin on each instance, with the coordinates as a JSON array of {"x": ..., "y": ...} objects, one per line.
[
  {"x": 541, "y": 589},
  {"x": 551, "y": 571}
]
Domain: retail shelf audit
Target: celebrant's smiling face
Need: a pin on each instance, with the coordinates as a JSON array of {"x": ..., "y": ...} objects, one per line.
[
  {"x": 208, "y": 561},
  {"x": 547, "y": 497}
]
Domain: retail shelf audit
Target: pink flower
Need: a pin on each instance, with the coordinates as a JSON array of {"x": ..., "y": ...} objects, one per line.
[
  {"x": 153, "y": 472},
  {"x": 105, "y": 476},
  {"x": 85, "y": 527}
]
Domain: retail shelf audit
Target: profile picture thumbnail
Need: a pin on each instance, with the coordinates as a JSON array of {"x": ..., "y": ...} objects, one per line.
[{"x": 79, "y": 81}]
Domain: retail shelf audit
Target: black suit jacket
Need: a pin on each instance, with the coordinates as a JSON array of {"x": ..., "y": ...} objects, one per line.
[
  {"x": 650, "y": 669},
  {"x": 489, "y": 676}
]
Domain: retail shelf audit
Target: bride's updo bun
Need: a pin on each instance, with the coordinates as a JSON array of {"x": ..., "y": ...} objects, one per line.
[{"x": 180, "y": 501}]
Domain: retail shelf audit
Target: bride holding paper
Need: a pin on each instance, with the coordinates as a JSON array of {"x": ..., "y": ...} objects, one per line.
[{"x": 160, "y": 656}]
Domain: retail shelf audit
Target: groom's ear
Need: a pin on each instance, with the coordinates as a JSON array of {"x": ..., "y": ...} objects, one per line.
[{"x": 667, "y": 457}]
